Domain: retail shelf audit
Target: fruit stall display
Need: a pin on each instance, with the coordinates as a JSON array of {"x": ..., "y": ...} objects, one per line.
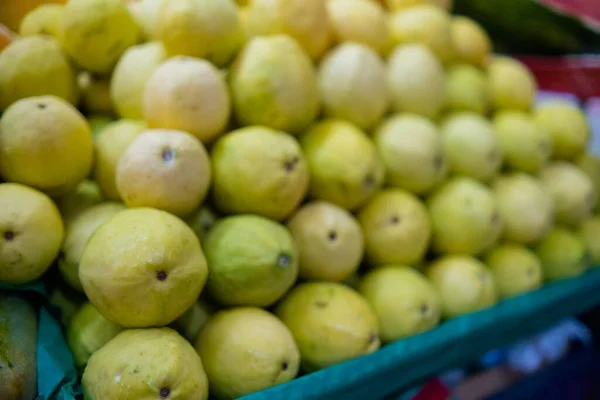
[{"x": 277, "y": 199}]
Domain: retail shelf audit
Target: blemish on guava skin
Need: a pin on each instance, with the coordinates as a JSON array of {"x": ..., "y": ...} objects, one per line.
[
  {"x": 394, "y": 220},
  {"x": 424, "y": 308},
  {"x": 320, "y": 304},
  {"x": 289, "y": 165},
  {"x": 284, "y": 366},
  {"x": 369, "y": 182},
  {"x": 284, "y": 260},
  {"x": 9, "y": 236},
  {"x": 168, "y": 155},
  {"x": 332, "y": 236},
  {"x": 373, "y": 337},
  {"x": 161, "y": 275},
  {"x": 41, "y": 106},
  {"x": 165, "y": 392}
]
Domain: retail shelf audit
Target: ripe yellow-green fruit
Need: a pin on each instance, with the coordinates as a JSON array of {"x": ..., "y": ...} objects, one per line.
[
  {"x": 208, "y": 29},
  {"x": 88, "y": 332},
  {"x": 426, "y": 25},
  {"x": 35, "y": 66},
  {"x": 77, "y": 235},
  {"x": 97, "y": 123},
  {"x": 515, "y": 268},
  {"x": 274, "y": 83},
  {"x": 511, "y": 84},
  {"x": 130, "y": 76},
  {"x": 193, "y": 320},
  {"x": 111, "y": 143},
  {"x": 260, "y": 171},
  {"x": 43, "y": 20},
  {"x": 95, "y": 94},
  {"x": 526, "y": 207},
  {"x": 467, "y": 89},
  {"x": 237, "y": 365},
  {"x": 590, "y": 164},
  {"x": 405, "y": 302},
  {"x": 306, "y": 21},
  {"x": 202, "y": 221},
  {"x": 470, "y": 42},
  {"x": 396, "y": 228},
  {"x": 563, "y": 254},
  {"x": 187, "y": 94},
  {"x": 410, "y": 146},
  {"x": 345, "y": 168},
  {"x": 395, "y": 5},
  {"x": 142, "y": 268},
  {"x": 465, "y": 218},
  {"x": 353, "y": 86},
  {"x": 589, "y": 234},
  {"x": 96, "y": 32},
  {"x": 464, "y": 284},
  {"x": 567, "y": 126},
  {"x": 145, "y": 13},
  {"x": 31, "y": 233},
  {"x": 253, "y": 261},
  {"x": 526, "y": 146},
  {"x": 12, "y": 12},
  {"x": 45, "y": 143},
  {"x": 416, "y": 81},
  {"x": 360, "y": 21},
  {"x": 471, "y": 147},
  {"x": 165, "y": 169},
  {"x": 329, "y": 239},
  {"x": 157, "y": 355},
  {"x": 85, "y": 195},
  {"x": 572, "y": 190},
  {"x": 331, "y": 323}
]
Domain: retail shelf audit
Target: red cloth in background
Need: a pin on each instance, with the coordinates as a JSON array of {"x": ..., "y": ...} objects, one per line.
[
  {"x": 588, "y": 10},
  {"x": 433, "y": 390}
]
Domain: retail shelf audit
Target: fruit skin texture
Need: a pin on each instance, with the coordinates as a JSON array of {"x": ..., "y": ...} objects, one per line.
[
  {"x": 129, "y": 78},
  {"x": 589, "y": 234},
  {"x": 145, "y": 13},
  {"x": 515, "y": 268},
  {"x": 572, "y": 191},
  {"x": 43, "y": 20},
  {"x": 526, "y": 207},
  {"x": 416, "y": 80},
  {"x": 96, "y": 32},
  {"x": 464, "y": 217},
  {"x": 353, "y": 86},
  {"x": 512, "y": 86},
  {"x": 187, "y": 94},
  {"x": 146, "y": 362},
  {"x": 526, "y": 146},
  {"x": 165, "y": 169},
  {"x": 32, "y": 232},
  {"x": 405, "y": 302},
  {"x": 109, "y": 146},
  {"x": 265, "y": 355},
  {"x": 345, "y": 168},
  {"x": 467, "y": 89},
  {"x": 331, "y": 323},
  {"x": 396, "y": 227},
  {"x": 410, "y": 146},
  {"x": 590, "y": 164},
  {"x": 88, "y": 332},
  {"x": 77, "y": 235},
  {"x": 18, "y": 337},
  {"x": 567, "y": 126},
  {"x": 471, "y": 146},
  {"x": 35, "y": 66},
  {"x": 306, "y": 21},
  {"x": 144, "y": 267},
  {"x": 563, "y": 255},
  {"x": 273, "y": 83},
  {"x": 45, "y": 143},
  {"x": 329, "y": 239},
  {"x": 259, "y": 170},
  {"x": 470, "y": 42},
  {"x": 464, "y": 283},
  {"x": 253, "y": 261}
]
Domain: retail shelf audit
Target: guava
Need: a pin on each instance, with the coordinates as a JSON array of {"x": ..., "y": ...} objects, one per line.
[
  {"x": 563, "y": 255},
  {"x": 526, "y": 207},
  {"x": 329, "y": 239},
  {"x": 471, "y": 146},
  {"x": 567, "y": 126},
  {"x": 144, "y": 267},
  {"x": 512, "y": 86},
  {"x": 259, "y": 170},
  {"x": 590, "y": 164},
  {"x": 345, "y": 168},
  {"x": 236, "y": 365},
  {"x": 98, "y": 122},
  {"x": 396, "y": 227},
  {"x": 193, "y": 320},
  {"x": 42, "y": 20},
  {"x": 467, "y": 89},
  {"x": 411, "y": 148},
  {"x": 253, "y": 261},
  {"x": 274, "y": 83},
  {"x": 145, "y": 13},
  {"x": 465, "y": 217},
  {"x": 470, "y": 42},
  {"x": 331, "y": 323},
  {"x": 416, "y": 81},
  {"x": 515, "y": 268},
  {"x": 85, "y": 195},
  {"x": 464, "y": 284},
  {"x": 66, "y": 301},
  {"x": 353, "y": 86},
  {"x": 526, "y": 146},
  {"x": 31, "y": 233},
  {"x": 94, "y": 94},
  {"x": 572, "y": 190},
  {"x": 589, "y": 234},
  {"x": 405, "y": 302},
  {"x": 202, "y": 221},
  {"x": 153, "y": 363}
]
